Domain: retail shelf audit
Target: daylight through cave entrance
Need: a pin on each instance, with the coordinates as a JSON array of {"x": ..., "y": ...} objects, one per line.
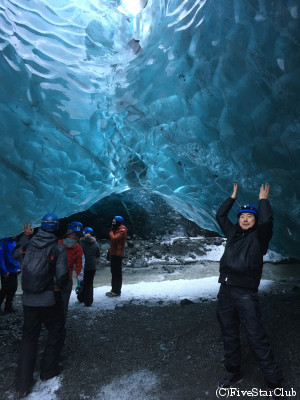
[{"x": 146, "y": 215}]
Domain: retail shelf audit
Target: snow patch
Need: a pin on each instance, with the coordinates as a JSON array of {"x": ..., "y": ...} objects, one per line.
[
  {"x": 157, "y": 293},
  {"x": 136, "y": 386},
  {"x": 45, "y": 390},
  {"x": 214, "y": 253},
  {"x": 272, "y": 256}
]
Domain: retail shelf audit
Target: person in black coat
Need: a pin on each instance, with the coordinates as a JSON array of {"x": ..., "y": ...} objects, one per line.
[
  {"x": 240, "y": 274},
  {"x": 91, "y": 252},
  {"x": 45, "y": 274}
]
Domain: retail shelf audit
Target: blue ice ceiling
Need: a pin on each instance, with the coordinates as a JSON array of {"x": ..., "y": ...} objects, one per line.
[{"x": 180, "y": 98}]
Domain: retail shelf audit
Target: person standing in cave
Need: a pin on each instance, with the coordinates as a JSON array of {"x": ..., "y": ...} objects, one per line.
[
  {"x": 118, "y": 236},
  {"x": 71, "y": 242},
  {"x": 44, "y": 276},
  {"x": 240, "y": 274},
  {"x": 9, "y": 269},
  {"x": 91, "y": 252}
]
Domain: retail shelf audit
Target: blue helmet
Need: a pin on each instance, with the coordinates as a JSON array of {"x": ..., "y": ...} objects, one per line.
[
  {"x": 88, "y": 230},
  {"x": 119, "y": 219},
  {"x": 75, "y": 226},
  {"x": 50, "y": 222},
  {"x": 247, "y": 209}
]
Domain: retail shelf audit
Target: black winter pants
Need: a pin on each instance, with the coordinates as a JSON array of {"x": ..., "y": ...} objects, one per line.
[
  {"x": 87, "y": 294},
  {"x": 34, "y": 317},
  {"x": 241, "y": 306},
  {"x": 9, "y": 286},
  {"x": 116, "y": 274}
]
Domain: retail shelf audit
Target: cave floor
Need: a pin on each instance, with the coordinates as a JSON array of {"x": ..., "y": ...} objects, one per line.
[{"x": 150, "y": 352}]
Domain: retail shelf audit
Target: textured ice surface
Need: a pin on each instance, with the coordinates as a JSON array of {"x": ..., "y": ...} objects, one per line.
[{"x": 181, "y": 100}]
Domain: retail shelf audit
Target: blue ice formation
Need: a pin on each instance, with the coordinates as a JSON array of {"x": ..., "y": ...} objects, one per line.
[{"x": 177, "y": 97}]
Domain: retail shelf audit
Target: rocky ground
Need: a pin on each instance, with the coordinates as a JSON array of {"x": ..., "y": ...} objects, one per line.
[
  {"x": 151, "y": 352},
  {"x": 176, "y": 251},
  {"x": 175, "y": 351}
]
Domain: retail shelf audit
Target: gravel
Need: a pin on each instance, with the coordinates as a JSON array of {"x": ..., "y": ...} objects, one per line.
[{"x": 166, "y": 352}]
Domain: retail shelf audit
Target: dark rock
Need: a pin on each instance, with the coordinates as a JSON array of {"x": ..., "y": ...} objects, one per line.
[
  {"x": 186, "y": 302},
  {"x": 295, "y": 289},
  {"x": 130, "y": 244}
]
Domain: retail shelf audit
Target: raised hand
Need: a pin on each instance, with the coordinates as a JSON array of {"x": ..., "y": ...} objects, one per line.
[
  {"x": 264, "y": 191},
  {"x": 27, "y": 228},
  {"x": 235, "y": 187}
]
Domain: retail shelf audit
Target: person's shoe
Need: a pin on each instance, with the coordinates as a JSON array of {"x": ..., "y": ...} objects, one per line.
[
  {"x": 230, "y": 380},
  {"x": 112, "y": 294},
  {"x": 50, "y": 376},
  {"x": 276, "y": 390},
  {"x": 22, "y": 394}
]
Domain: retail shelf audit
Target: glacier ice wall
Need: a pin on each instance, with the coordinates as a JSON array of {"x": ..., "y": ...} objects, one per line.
[{"x": 180, "y": 99}]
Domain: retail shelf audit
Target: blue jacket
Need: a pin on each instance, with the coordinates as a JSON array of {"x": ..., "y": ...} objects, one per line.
[{"x": 7, "y": 263}]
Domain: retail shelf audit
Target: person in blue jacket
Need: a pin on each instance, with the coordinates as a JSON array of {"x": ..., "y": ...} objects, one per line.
[
  {"x": 240, "y": 274},
  {"x": 9, "y": 269}
]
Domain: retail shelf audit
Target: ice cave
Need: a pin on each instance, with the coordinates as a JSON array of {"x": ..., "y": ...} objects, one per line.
[{"x": 178, "y": 98}]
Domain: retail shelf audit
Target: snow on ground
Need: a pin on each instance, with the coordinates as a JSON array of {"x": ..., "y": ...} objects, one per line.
[
  {"x": 136, "y": 386},
  {"x": 215, "y": 252},
  {"x": 45, "y": 390},
  {"x": 140, "y": 384},
  {"x": 157, "y": 293},
  {"x": 272, "y": 256}
]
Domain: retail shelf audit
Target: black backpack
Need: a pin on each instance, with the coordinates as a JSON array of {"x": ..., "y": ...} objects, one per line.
[{"x": 38, "y": 269}]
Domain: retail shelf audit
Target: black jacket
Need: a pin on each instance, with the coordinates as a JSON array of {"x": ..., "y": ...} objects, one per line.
[
  {"x": 41, "y": 240},
  {"x": 242, "y": 262},
  {"x": 91, "y": 252}
]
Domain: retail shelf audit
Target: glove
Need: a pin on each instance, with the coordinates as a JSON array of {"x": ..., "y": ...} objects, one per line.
[{"x": 78, "y": 288}]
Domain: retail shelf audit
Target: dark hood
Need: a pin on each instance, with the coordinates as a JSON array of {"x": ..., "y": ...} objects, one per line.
[
  {"x": 43, "y": 239},
  {"x": 86, "y": 239}
]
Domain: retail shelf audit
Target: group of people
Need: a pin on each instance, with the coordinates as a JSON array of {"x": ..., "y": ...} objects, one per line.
[
  {"x": 238, "y": 305},
  {"x": 48, "y": 265}
]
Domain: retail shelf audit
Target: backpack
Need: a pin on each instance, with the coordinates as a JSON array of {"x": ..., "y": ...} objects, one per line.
[{"x": 38, "y": 269}]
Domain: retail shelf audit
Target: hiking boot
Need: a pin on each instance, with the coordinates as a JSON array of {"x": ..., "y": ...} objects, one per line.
[
  {"x": 112, "y": 294},
  {"x": 52, "y": 375},
  {"x": 275, "y": 390},
  {"x": 230, "y": 380},
  {"x": 22, "y": 394}
]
